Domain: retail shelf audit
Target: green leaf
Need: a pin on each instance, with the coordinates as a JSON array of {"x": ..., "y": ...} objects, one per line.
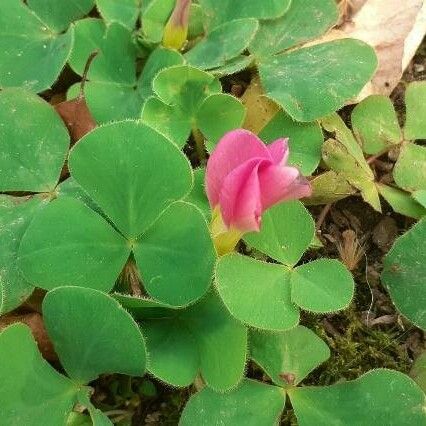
[
  {"x": 176, "y": 256},
  {"x": 111, "y": 90},
  {"x": 222, "y": 44},
  {"x": 173, "y": 354},
  {"x": 205, "y": 339},
  {"x": 256, "y": 293},
  {"x": 70, "y": 188},
  {"x": 420, "y": 197},
  {"x": 134, "y": 190},
  {"x": 418, "y": 371},
  {"x": 345, "y": 156},
  {"x": 144, "y": 309},
  {"x": 361, "y": 402},
  {"x": 338, "y": 158},
  {"x": 354, "y": 62},
  {"x": 228, "y": 113},
  {"x": 286, "y": 232},
  {"x": 305, "y": 140},
  {"x": 109, "y": 101},
  {"x": 69, "y": 244},
  {"x": 15, "y": 215},
  {"x": 252, "y": 404},
  {"x": 329, "y": 187},
  {"x": 198, "y": 195},
  {"x": 181, "y": 91},
  {"x": 83, "y": 325},
  {"x": 404, "y": 272},
  {"x": 124, "y": 12},
  {"x": 155, "y": 17},
  {"x": 171, "y": 121},
  {"x": 322, "y": 286},
  {"x": 305, "y": 20},
  {"x": 158, "y": 60},
  {"x": 31, "y": 54},
  {"x": 410, "y": 169},
  {"x": 375, "y": 124},
  {"x": 415, "y": 102},
  {"x": 220, "y": 11},
  {"x": 59, "y": 15},
  {"x": 196, "y": 21},
  {"x": 88, "y": 37},
  {"x": 33, "y": 150},
  {"x": 288, "y": 357},
  {"x": 31, "y": 391},
  {"x": 402, "y": 202},
  {"x": 335, "y": 124},
  {"x": 185, "y": 86}
]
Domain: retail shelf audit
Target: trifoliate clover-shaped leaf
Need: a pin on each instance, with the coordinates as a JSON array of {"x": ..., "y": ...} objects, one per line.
[
  {"x": 289, "y": 356},
  {"x": 32, "y": 53},
  {"x": 404, "y": 272},
  {"x": 303, "y": 21},
  {"x": 252, "y": 404},
  {"x": 71, "y": 244},
  {"x": 33, "y": 150},
  {"x": 268, "y": 295},
  {"x": 114, "y": 91},
  {"x": 83, "y": 325},
  {"x": 15, "y": 215},
  {"x": 206, "y": 340},
  {"x": 296, "y": 77},
  {"x": 186, "y": 100}
]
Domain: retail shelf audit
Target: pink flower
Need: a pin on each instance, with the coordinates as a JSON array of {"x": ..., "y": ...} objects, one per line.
[{"x": 245, "y": 177}]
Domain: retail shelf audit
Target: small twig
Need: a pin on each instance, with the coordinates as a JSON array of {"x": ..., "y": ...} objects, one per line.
[
  {"x": 322, "y": 216},
  {"x": 86, "y": 71}
]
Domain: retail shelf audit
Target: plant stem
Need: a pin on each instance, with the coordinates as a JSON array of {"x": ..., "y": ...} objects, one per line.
[
  {"x": 199, "y": 145},
  {"x": 86, "y": 71}
]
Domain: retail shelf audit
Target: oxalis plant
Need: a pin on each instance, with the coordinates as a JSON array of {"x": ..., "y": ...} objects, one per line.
[{"x": 191, "y": 273}]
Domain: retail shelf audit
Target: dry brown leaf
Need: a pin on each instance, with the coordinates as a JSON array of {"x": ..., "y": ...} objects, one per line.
[
  {"x": 260, "y": 109},
  {"x": 35, "y": 322},
  {"x": 395, "y": 29},
  {"x": 77, "y": 117}
]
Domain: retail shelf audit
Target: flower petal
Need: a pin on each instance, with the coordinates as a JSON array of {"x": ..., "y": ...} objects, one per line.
[
  {"x": 240, "y": 198},
  {"x": 278, "y": 183},
  {"x": 233, "y": 150},
  {"x": 279, "y": 151}
]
